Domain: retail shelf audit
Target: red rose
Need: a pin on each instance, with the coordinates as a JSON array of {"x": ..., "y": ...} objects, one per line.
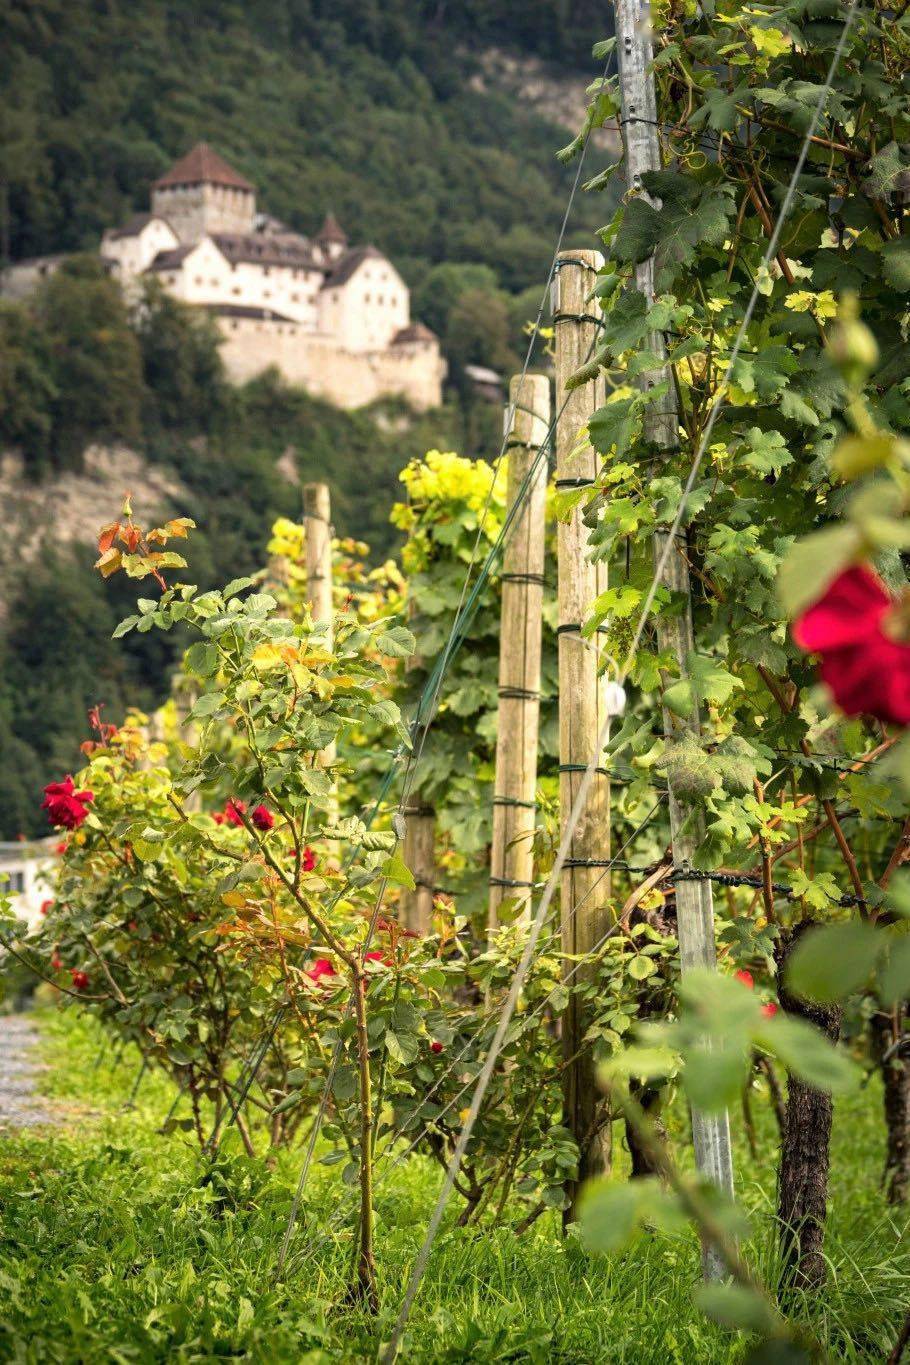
[
  {"x": 233, "y": 811},
  {"x": 45, "y": 906},
  {"x": 262, "y": 817},
  {"x": 61, "y": 848},
  {"x": 64, "y": 805},
  {"x": 308, "y": 861},
  {"x": 769, "y": 1009},
  {"x": 863, "y": 662},
  {"x": 80, "y": 979},
  {"x": 218, "y": 817},
  {"x": 436, "y": 1046},
  {"x": 320, "y": 968},
  {"x": 745, "y": 977},
  {"x": 56, "y": 962}
]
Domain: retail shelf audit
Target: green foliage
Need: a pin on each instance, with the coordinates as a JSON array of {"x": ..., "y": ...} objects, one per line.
[
  {"x": 115, "y": 1242},
  {"x": 365, "y": 110}
]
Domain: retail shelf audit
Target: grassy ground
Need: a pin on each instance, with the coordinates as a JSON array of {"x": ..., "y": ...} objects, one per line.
[{"x": 112, "y": 1250}]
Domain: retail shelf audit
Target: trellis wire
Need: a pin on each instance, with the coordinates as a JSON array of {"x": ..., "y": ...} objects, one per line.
[
  {"x": 539, "y": 1007},
  {"x": 463, "y": 616},
  {"x": 580, "y": 802}
]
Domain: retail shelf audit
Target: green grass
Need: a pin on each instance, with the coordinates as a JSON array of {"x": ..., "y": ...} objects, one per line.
[{"x": 111, "y": 1249}]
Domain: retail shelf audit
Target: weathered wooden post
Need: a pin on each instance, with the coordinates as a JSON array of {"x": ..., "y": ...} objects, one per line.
[
  {"x": 512, "y": 853},
  {"x": 585, "y": 889},
  {"x": 317, "y": 521},
  {"x": 694, "y": 902},
  {"x": 419, "y": 854},
  {"x": 317, "y": 524}
]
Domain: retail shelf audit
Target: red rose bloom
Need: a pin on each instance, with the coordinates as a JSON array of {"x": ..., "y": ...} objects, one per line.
[
  {"x": 308, "y": 861},
  {"x": 745, "y": 977},
  {"x": 262, "y": 817},
  {"x": 45, "y": 906},
  {"x": 233, "y": 811},
  {"x": 320, "y": 968},
  {"x": 769, "y": 1009},
  {"x": 64, "y": 805},
  {"x": 866, "y": 667},
  {"x": 80, "y": 979},
  {"x": 218, "y": 817},
  {"x": 61, "y": 848},
  {"x": 436, "y": 1046}
]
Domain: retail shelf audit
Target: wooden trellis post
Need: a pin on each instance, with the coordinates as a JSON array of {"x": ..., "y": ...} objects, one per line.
[
  {"x": 317, "y": 522},
  {"x": 317, "y": 525},
  {"x": 512, "y": 853},
  {"x": 419, "y": 853},
  {"x": 694, "y": 901},
  {"x": 585, "y": 888}
]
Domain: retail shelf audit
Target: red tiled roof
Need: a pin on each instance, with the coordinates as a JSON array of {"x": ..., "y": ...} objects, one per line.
[
  {"x": 416, "y": 331},
  {"x": 267, "y": 248},
  {"x": 203, "y": 166},
  {"x": 332, "y": 231},
  {"x": 351, "y": 261}
]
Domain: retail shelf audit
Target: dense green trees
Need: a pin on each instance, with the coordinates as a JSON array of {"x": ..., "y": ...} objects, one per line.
[{"x": 367, "y": 108}]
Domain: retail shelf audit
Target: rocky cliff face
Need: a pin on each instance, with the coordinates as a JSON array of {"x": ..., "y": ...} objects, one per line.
[{"x": 70, "y": 508}]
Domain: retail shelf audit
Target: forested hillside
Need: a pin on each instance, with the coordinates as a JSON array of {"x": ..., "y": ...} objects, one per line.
[
  {"x": 369, "y": 108},
  {"x": 384, "y": 112}
]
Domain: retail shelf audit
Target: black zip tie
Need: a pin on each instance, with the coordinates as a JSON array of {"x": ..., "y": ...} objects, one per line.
[
  {"x": 518, "y": 694},
  {"x": 575, "y": 483},
  {"x": 563, "y": 261},
  {"x": 523, "y": 578},
  {"x": 514, "y": 801},
  {"x": 578, "y": 317},
  {"x": 573, "y": 627},
  {"x": 507, "y": 881}
]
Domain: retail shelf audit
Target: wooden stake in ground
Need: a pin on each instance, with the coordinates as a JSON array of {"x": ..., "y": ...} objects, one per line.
[
  {"x": 317, "y": 522},
  {"x": 694, "y": 902},
  {"x": 512, "y": 853},
  {"x": 585, "y": 888},
  {"x": 317, "y": 525},
  {"x": 419, "y": 854}
]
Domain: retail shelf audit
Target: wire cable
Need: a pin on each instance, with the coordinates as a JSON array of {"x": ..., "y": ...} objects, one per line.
[{"x": 419, "y": 1267}]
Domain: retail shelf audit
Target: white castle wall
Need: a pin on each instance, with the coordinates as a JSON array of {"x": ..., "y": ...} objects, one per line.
[
  {"x": 134, "y": 254},
  {"x": 368, "y": 309}
]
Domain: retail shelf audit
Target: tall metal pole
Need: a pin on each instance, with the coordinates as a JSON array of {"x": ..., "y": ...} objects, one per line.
[{"x": 694, "y": 902}]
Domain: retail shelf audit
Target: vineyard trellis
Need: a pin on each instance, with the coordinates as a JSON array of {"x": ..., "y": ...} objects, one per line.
[{"x": 601, "y": 628}]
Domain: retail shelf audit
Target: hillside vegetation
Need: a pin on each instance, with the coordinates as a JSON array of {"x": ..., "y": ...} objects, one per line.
[{"x": 383, "y": 112}]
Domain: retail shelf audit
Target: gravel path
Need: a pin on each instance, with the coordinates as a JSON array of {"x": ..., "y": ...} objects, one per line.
[{"x": 20, "y": 1105}]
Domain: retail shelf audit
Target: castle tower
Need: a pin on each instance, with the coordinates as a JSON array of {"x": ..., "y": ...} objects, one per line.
[
  {"x": 332, "y": 239},
  {"x": 202, "y": 194}
]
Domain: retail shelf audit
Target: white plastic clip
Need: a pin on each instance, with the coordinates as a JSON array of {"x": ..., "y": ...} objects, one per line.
[{"x": 614, "y": 698}]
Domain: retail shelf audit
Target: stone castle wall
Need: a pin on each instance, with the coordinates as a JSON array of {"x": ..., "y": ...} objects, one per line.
[
  {"x": 321, "y": 365},
  {"x": 194, "y": 210}
]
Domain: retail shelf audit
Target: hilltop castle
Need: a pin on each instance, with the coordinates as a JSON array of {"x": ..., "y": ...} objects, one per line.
[{"x": 332, "y": 318}]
